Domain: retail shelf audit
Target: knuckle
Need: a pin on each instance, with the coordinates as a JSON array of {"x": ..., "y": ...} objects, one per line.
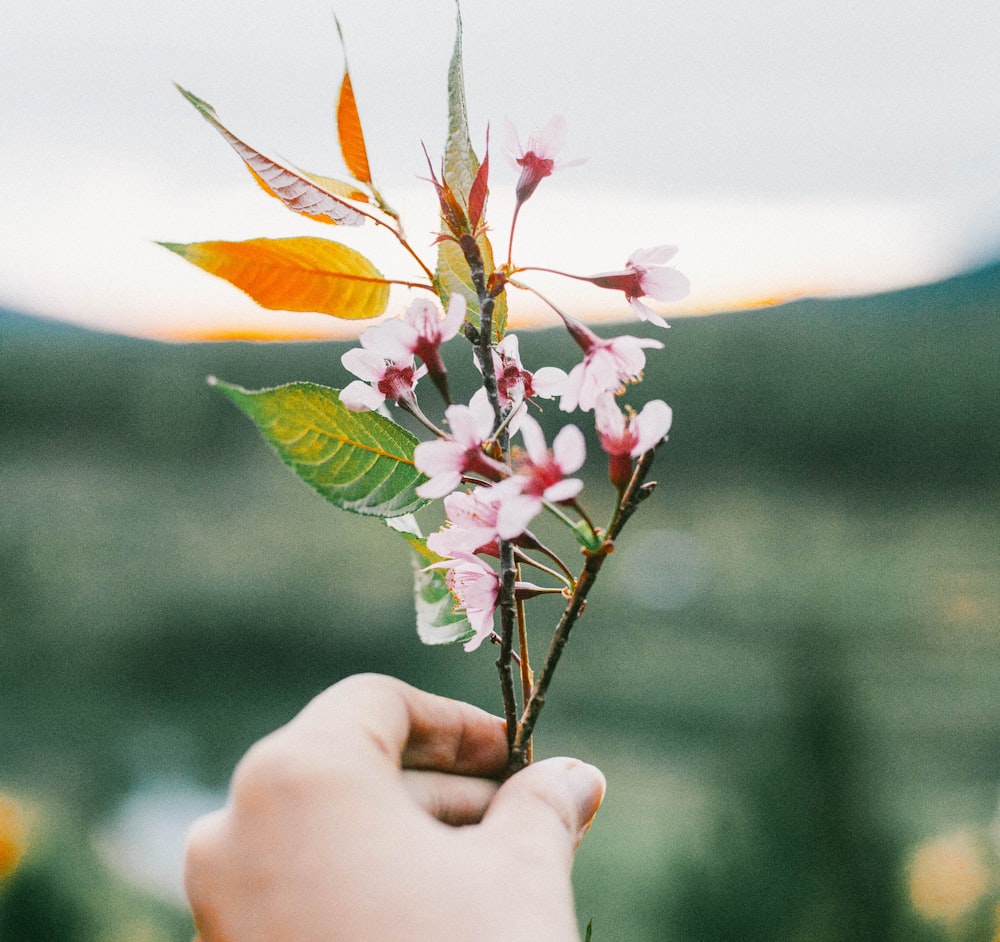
[
  {"x": 202, "y": 841},
  {"x": 272, "y": 771},
  {"x": 364, "y": 685}
]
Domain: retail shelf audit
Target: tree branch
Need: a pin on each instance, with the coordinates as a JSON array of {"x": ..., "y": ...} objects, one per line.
[
  {"x": 508, "y": 570},
  {"x": 635, "y": 493}
]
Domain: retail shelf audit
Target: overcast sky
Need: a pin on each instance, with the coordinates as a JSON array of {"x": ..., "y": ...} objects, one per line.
[{"x": 785, "y": 146}]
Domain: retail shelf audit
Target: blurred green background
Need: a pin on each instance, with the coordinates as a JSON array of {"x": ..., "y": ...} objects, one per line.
[{"x": 789, "y": 670}]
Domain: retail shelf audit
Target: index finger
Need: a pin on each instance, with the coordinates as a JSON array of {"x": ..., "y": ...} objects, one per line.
[{"x": 409, "y": 727}]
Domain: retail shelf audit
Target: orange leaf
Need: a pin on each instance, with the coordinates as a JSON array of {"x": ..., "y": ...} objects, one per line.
[
  {"x": 297, "y": 274},
  {"x": 296, "y": 190},
  {"x": 352, "y": 140}
]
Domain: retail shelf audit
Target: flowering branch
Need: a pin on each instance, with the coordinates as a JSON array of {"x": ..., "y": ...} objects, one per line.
[{"x": 345, "y": 445}]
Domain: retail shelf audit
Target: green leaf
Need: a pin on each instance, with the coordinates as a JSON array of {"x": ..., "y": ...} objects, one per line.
[
  {"x": 359, "y": 461},
  {"x": 586, "y": 536},
  {"x": 460, "y": 161},
  {"x": 453, "y": 276},
  {"x": 460, "y": 168},
  {"x": 437, "y": 620}
]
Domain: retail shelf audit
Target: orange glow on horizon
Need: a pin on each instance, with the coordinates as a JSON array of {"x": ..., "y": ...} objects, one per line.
[
  {"x": 522, "y": 317},
  {"x": 227, "y": 334}
]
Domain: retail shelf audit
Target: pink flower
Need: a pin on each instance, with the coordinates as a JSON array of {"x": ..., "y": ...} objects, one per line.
[
  {"x": 475, "y": 587},
  {"x": 471, "y": 525},
  {"x": 446, "y": 460},
  {"x": 647, "y": 275},
  {"x": 515, "y": 384},
  {"x": 607, "y": 366},
  {"x": 420, "y": 331},
  {"x": 379, "y": 379},
  {"x": 541, "y": 476},
  {"x": 537, "y": 160},
  {"x": 625, "y": 437},
  {"x": 632, "y": 434}
]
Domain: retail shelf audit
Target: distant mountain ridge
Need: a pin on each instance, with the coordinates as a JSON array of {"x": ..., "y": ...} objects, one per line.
[{"x": 888, "y": 390}]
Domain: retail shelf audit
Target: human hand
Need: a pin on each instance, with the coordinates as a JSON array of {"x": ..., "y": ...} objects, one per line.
[{"x": 377, "y": 814}]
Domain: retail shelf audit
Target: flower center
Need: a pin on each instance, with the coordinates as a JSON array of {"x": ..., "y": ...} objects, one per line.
[{"x": 396, "y": 381}]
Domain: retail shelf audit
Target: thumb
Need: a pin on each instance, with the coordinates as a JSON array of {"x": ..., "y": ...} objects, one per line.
[{"x": 548, "y": 805}]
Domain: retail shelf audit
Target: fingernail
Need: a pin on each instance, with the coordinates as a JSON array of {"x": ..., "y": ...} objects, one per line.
[{"x": 588, "y": 784}]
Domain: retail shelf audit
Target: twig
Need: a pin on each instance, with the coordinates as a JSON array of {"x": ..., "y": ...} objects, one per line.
[
  {"x": 505, "y": 600},
  {"x": 636, "y": 492}
]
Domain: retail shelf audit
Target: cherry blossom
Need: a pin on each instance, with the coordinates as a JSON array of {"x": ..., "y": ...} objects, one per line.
[
  {"x": 608, "y": 364},
  {"x": 446, "y": 460},
  {"x": 379, "y": 379},
  {"x": 627, "y": 436},
  {"x": 471, "y": 523},
  {"x": 515, "y": 384},
  {"x": 537, "y": 159},
  {"x": 647, "y": 275},
  {"x": 420, "y": 331},
  {"x": 475, "y": 587},
  {"x": 541, "y": 476}
]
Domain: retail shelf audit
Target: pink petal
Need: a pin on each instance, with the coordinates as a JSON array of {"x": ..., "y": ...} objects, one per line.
[
  {"x": 482, "y": 411},
  {"x": 512, "y": 142},
  {"x": 534, "y": 440},
  {"x": 439, "y": 456},
  {"x": 463, "y": 426},
  {"x": 454, "y": 541},
  {"x": 439, "y": 485},
  {"x": 482, "y": 631},
  {"x": 549, "y": 382},
  {"x": 656, "y": 255},
  {"x": 391, "y": 340},
  {"x": 515, "y": 513},
  {"x": 365, "y": 364},
  {"x": 646, "y": 313},
  {"x": 651, "y": 426},
  {"x": 471, "y": 425},
  {"x": 422, "y": 315},
  {"x": 455, "y": 317},
  {"x": 476, "y": 509},
  {"x": 570, "y": 398},
  {"x": 517, "y": 416},
  {"x": 665, "y": 284},
  {"x": 360, "y": 397},
  {"x": 566, "y": 489},
  {"x": 475, "y": 586},
  {"x": 609, "y": 419},
  {"x": 550, "y": 140},
  {"x": 569, "y": 449},
  {"x": 509, "y": 347}
]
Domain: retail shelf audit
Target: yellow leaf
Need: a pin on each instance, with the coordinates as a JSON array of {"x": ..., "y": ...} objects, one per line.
[
  {"x": 352, "y": 140},
  {"x": 297, "y": 274},
  {"x": 453, "y": 276},
  {"x": 296, "y": 190}
]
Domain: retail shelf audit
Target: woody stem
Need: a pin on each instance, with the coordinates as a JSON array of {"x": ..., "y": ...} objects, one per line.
[
  {"x": 636, "y": 492},
  {"x": 508, "y": 570}
]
